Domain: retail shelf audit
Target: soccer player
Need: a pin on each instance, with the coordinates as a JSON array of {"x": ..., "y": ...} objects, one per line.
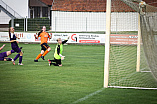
[
  {"x": 58, "y": 53},
  {"x": 44, "y": 47},
  {"x": 3, "y": 55},
  {"x": 15, "y": 46}
]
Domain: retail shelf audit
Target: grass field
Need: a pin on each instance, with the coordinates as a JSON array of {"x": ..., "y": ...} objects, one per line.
[{"x": 79, "y": 80}]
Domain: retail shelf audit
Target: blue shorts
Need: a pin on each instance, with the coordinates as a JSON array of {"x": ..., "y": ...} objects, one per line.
[
  {"x": 15, "y": 48},
  {"x": 18, "y": 50},
  {"x": 2, "y": 55}
]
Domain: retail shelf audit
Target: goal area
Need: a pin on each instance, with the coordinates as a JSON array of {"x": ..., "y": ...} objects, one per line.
[{"x": 131, "y": 53}]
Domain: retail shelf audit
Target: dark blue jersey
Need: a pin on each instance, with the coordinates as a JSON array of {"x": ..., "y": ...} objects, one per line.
[{"x": 14, "y": 44}]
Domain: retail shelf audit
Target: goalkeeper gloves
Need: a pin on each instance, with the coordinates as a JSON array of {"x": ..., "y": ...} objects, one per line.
[{"x": 62, "y": 57}]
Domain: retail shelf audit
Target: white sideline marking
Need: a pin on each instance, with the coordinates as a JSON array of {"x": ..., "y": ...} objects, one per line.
[
  {"x": 87, "y": 96},
  {"x": 145, "y": 71},
  {"x": 133, "y": 87},
  {"x": 96, "y": 92}
]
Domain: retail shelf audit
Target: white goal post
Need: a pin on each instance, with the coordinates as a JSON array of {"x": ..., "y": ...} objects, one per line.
[
  {"x": 107, "y": 43},
  {"x": 125, "y": 62}
]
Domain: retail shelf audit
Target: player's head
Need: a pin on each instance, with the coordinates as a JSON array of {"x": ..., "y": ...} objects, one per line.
[
  {"x": 59, "y": 40},
  {"x": 11, "y": 29},
  {"x": 44, "y": 28}
]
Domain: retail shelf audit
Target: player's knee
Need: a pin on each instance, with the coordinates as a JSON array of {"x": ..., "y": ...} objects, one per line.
[
  {"x": 42, "y": 51},
  {"x": 8, "y": 53},
  {"x": 5, "y": 60},
  {"x": 49, "y": 49},
  {"x": 21, "y": 53}
]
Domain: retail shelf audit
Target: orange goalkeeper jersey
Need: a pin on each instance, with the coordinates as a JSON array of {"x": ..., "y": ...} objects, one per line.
[{"x": 44, "y": 37}]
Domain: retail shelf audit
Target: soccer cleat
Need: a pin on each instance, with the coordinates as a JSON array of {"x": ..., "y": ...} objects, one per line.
[
  {"x": 49, "y": 64},
  {"x": 13, "y": 61},
  {"x": 42, "y": 57},
  {"x": 21, "y": 47},
  {"x": 20, "y": 64},
  {"x": 35, "y": 60}
]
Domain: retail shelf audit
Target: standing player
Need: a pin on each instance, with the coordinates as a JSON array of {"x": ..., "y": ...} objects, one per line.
[
  {"x": 3, "y": 55},
  {"x": 44, "y": 47},
  {"x": 15, "y": 46},
  {"x": 58, "y": 53}
]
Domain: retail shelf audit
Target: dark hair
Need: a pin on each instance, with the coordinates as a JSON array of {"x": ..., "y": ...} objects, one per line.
[
  {"x": 9, "y": 32},
  {"x": 58, "y": 39},
  {"x": 40, "y": 32}
]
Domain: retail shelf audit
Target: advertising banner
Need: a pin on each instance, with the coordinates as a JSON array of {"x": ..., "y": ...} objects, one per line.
[
  {"x": 4, "y": 36},
  {"x": 123, "y": 39},
  {"x": 75, "y": 38}
]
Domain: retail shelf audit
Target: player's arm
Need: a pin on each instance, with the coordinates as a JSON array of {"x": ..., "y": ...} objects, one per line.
[
  {"x": 2, "y": 47},
  {"x": 36, "y": 36},
  {"x": 63, "y": 42},
  {"x": 50, "y": 36},
  {"x": 17, "y": 37},
  {"x": 58, "y": 52},
  {"x": 14, "y": 41}
]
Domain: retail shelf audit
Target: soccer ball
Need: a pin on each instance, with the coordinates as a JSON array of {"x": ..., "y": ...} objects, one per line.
[{"x": 142, "y": 4}]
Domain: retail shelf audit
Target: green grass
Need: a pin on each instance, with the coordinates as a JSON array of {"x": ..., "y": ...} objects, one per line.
[{"x": 80, "y": 75}]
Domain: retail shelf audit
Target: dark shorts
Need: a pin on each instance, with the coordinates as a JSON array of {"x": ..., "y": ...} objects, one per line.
[
  {"x": 44, "y": 46},
  {"x": 16, "y": 48},
  {"x": 58, "y": 61},
  {"x": 2, "y": 55}
]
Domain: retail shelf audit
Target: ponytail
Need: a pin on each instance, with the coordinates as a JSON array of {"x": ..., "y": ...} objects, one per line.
[
  {"x": 40, "y": 32},
  {"x": 9, "y": 33}
]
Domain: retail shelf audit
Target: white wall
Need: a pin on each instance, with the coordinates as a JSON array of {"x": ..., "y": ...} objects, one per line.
[
  {"x": 4, "y": 18},
  {"x": 20, "y": 6},
  {"x": 124, "y": 21},
  {"x": 93, "y": 21}
]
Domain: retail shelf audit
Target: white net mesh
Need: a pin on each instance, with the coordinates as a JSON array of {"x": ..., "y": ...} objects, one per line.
[{"x": 123, "y": 50}]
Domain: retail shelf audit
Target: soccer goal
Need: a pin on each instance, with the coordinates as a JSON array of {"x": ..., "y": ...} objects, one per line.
[{"x": 131, "y": 45}]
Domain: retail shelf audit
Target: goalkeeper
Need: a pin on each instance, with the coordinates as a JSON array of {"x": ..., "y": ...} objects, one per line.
[{"x": 58, "y": 53}]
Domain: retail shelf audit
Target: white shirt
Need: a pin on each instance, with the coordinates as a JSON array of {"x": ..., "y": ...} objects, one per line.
[{"x": 12, "y": 35}]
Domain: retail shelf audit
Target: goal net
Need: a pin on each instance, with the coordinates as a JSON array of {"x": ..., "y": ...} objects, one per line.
[{"x": 133, "y": 45}]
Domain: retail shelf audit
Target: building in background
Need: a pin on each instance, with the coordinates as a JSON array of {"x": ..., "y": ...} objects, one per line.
[
  {"x": 39, "y": 8},
  {"x": 22, "y": 9},
  {"x": 90, "y": 15},
  {"x": 63, "y": 21}
]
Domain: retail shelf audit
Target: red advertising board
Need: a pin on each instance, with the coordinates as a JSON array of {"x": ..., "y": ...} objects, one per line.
[
  {"x": 123, "y": 39},
  {"x": 89, "y": 41}
]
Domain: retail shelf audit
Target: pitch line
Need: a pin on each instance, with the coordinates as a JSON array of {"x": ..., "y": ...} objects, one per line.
[
  {"x": 87, "y": 96},
  {"x": 146, "y": 71},
  {"x": 98, "y": 91}
]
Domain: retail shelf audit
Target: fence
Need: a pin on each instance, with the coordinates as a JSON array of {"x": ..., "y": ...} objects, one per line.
[
  {"x": 92, "y": 21},
  {"x": 29, "y": 24},
  {"x": 79, "y": 22}
]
